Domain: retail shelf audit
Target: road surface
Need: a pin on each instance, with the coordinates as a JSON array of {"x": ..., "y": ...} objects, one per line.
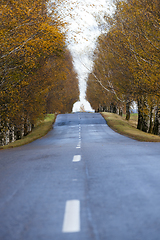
[{"x": 82, "y": 181}]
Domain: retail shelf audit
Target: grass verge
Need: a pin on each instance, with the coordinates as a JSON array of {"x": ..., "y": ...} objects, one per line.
[
  {"x": 41, "y": 129},
  {"x": 127, "y": 128}
]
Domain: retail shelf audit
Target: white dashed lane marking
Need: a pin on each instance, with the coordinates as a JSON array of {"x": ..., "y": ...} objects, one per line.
[
  {"x": 79, "y": 144},
  {"x": 76, "y": 158},
  {"x": 71, "y": 222}
]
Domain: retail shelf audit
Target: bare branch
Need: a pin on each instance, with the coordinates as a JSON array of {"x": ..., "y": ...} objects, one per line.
[{"x": 112, "y": 90}]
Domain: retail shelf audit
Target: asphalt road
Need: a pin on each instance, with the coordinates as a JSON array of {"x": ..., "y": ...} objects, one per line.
[{"x": 82, "y": 181}]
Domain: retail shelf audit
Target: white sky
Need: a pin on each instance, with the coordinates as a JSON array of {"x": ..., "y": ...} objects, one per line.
[{"x": 82, "y": 35}]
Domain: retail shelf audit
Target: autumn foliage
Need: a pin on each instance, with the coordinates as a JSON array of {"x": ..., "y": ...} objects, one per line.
[
  {"x": 37, "y": 75},
  {"x": 127, "y": 63}
]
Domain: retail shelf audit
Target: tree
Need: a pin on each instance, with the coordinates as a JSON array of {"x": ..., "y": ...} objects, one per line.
[
  {"x": 64, "y": 91},
  {"x": 129, "y": 54},
  {"x": 30, "y": 37}
]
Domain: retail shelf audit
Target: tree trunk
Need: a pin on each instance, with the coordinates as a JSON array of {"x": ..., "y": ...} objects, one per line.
[
  {"x": 13, "y": 134},
  {"x": 150, "y": 120},
  {"x": 127, "y": 111},
  {"x": 22, "y": 131},
  {"x": 156, "y": 128},
  {"x": 113, "y": 108},
  {"x": 120, "y": 111},
  {"x": 7, "y": 136},
  {"x": 143, "y": 118}
]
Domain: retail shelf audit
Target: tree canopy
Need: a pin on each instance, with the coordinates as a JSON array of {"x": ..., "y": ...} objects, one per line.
[
  {"x": 127, "y": 59},
  {"x": 35, "y": 63}
]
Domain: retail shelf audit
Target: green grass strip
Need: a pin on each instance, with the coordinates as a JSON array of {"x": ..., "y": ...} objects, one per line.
[
  {"x": 42, "y": 128},
  {"x": 126, "y": 128}
]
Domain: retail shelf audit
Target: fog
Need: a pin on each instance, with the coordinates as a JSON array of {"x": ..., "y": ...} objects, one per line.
[{"x": 82, "y": 17}]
